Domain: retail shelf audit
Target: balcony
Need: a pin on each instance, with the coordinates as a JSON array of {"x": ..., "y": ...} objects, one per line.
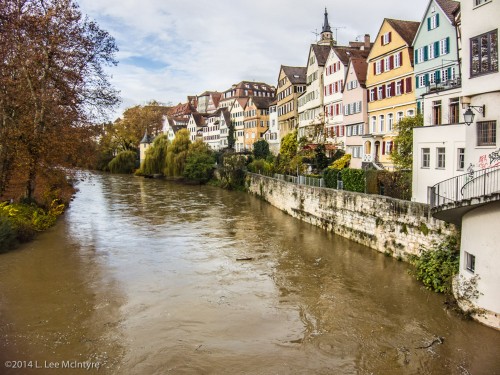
[
  {"x": 444, "y": 85},
  {"x": 451, "y": 199}
]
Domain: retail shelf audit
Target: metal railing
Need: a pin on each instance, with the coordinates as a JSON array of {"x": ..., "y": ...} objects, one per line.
[
  {"x": 301, "y": 180},
  {"x": 474, "y": 184}
]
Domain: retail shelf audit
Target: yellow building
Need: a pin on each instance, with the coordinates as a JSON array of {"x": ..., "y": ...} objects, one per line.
[
  {"x": 291, "y": 84},
  {"x": 256, "y": 120},
  {"x": 391, "y": 92}
]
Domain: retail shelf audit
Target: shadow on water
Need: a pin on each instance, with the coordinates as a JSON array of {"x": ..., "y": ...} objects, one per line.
[{"x": 151, "y": 277}]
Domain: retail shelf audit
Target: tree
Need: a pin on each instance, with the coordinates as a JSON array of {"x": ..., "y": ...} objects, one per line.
[
  {"x": 128, "y": 131},
  {"x": 288, "y": 162},
  {"x": 261, "y": 149},
  {"x": 52, "y": 84},
  {"x": 156, "y": 156},
  {"x": 177, "y": 154},
  {"x": 402, "y": 155},
  {"x": 124, "y": 162},
  {"x": 200, "y": 162},
  {"x": 230, "y": 135}
]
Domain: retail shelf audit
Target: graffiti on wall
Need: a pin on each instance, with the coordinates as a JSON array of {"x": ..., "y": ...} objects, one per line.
[{"x": 489, "y": 160}]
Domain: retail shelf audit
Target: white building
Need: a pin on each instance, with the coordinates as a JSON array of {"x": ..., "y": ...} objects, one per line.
[{"x": 272, "y": 136}]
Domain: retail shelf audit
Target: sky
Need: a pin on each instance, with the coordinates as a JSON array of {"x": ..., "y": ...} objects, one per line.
[{"x": 169, "y": 49}]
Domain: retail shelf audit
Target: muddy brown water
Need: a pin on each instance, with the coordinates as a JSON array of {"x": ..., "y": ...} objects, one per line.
[{"x": 147, "y": 277}]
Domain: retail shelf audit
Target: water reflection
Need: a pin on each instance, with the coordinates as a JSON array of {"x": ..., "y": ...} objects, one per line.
[{"x": 144, "y": 275}]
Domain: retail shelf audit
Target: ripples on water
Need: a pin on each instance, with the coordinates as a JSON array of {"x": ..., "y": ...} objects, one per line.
[{"x": 144, "y": 277}]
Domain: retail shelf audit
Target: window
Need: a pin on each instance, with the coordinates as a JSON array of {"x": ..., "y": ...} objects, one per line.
[
  {"x": 443, "y": 46},
  {"x": 390, "y": 121},
  {"x": 372, "y": 95},
  {"x": 386, "y": 38},
  {"x": 410, "y": 113},
  {"x": 460, "y": 159},
  {"x": 374, "y": 124},
  {"x": 453, "y": 111},
  {"x": 361, "y": 129},
  {"x": 378, "y": 67},
  {"x": 440, "y": 158},
  {"x": 399, "y": 90},
  {"x": 431, "y": 51},
  {"x": 388, "y": 91},
  {"x": 426, "y": 158},
  {"x": 381, "y": 92},
  {"x": 433, "y": 22},
  {"x": 484, "y": 54},
  {"x": 399, "y": 116},
  {"x": 388, "y": 147},
  {"x": 479, "y": 2},
  {"x": 470, "y": 262},
  {"x": 397, "y": 60},
  {"x": 436, "y": 112},
  {"x": 486, "y": 133},
  {"x": 387, "y": 64},
  {"x": 381, "y": 123},
  {"x": 420, "y": 55},
  {"x": 421, "y": 81}
]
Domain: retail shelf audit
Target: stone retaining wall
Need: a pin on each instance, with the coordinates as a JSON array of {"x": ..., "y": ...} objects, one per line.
[{"x": 392, "y": 226}]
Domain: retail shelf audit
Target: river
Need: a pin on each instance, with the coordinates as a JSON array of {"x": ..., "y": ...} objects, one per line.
[{"x": 152, "y": 277}]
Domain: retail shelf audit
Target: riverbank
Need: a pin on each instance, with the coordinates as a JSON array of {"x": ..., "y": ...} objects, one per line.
[{"x": 394, "y": 227}]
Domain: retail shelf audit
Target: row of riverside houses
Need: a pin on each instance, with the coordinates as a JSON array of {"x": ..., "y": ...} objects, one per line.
[{"x": 351, "y": 97}]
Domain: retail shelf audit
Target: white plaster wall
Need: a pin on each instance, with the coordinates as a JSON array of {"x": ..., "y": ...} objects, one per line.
[
  {"x": 451, "y": 137},
  {"x": 476, "y": 155},
  {"x": 481, "y": 238}
]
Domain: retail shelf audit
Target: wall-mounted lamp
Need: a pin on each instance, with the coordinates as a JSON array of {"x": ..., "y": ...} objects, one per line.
[{"x": 469, "y": 115}]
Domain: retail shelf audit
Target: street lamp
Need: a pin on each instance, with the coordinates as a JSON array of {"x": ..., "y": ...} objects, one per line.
[{"x": 469, "y": 115}]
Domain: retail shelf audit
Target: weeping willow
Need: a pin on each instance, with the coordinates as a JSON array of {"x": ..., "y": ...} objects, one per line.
[
  {"x": 156, "y": 156},
  {"x": 177, "y": 154}
]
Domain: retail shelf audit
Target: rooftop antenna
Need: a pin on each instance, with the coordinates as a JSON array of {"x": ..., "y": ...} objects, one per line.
[
  {"x": 336, "y": 31},
  {"x": 315, "y": 32}
]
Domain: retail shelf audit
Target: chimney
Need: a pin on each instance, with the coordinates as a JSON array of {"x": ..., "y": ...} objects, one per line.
[{"x": 367, "y": 41}]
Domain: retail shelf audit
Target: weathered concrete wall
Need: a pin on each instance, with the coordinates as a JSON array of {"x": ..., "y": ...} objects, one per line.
[{"x": 392, "y": 226}]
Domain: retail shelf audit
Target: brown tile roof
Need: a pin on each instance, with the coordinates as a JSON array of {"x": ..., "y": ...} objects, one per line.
[
  {"x": 321, "y": 53},
  {"x": 296, "y": 74},
  {"x": 346, "y": 53},
  {"x": 360, "y": 66},
  {"x": 199, "y": 119},
  {"x": 406, "y": 29},
  {"x": 449, "y": 7},
  {"x": 262, "y": 101}
]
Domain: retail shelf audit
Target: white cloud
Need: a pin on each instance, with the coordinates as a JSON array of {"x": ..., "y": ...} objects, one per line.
[{"x": 171, "y": 49}]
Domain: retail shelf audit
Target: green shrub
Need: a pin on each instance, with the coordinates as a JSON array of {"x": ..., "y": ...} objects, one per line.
[
  {"x": 124, "y": 162},
  {"x": 7, "y": 235},
  {"x": 261, "y": 149},
  {"x": 436, "y": 267},
  {"x": 199, "y": 163},
  {"x": 260, "y": 166},
  {"x": 330, "y": 177},
  {"x": 342, "y": 163},
  {"x": 354, "y": 180}
]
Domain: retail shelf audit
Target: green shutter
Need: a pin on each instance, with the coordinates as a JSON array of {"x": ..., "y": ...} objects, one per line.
[
  {"x": 426, "y": 79},
  {"x": 416, "y": 56},
  {"x": 438, "y": 76},
  {"x": 416, "y": 82},
  {"x": 436, "y": 49},
  {"x": 448, "y": 45},
  {"x": 426, "y": 53},
  {"x": 437, "y": 20},
  {"x": 428, "y": 24}
]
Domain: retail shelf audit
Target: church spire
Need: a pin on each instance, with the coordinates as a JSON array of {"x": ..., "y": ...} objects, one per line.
[
  {"x": 326, "y": 33},
  {"x": 326, "y": 25}
]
